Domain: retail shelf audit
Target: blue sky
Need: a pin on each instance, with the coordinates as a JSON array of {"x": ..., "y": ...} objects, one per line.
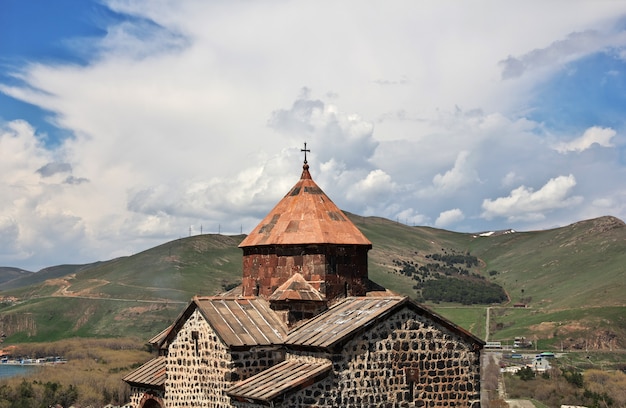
[
  {"x": 48, "y": 32},
  {"x": 586, "y": 92},
  {"x": 126, "y": 123}
]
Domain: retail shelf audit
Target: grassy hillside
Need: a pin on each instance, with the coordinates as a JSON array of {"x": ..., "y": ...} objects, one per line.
[
  {"x": 175, "y": 271},
  {"x": 30, "y": 278},
  {"x": 8, "y": 274},
  {"x": 573, "y": 280},
  {"x": 136, "y": 296},
  {"x": 49, "y": 319},
  {"x": 579, "y": 265}
]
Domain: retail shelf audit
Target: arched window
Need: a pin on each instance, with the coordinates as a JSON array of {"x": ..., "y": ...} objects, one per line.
[
  {"x": 150, "y": 400},
  {"x": 151, "y": 403}
]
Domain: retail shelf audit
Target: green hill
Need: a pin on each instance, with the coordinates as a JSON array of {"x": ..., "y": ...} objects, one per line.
[
  {"x": 572, "y": 281},
  {"x": 175, "y": 271},
  {"x": 30, "y": 278},
  {"x": 8, "y": 274}
]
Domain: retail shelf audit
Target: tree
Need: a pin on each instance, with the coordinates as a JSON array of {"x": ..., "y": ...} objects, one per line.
[
  {"x": 526, "y": 373},
  {"x": 575, "y": 378}
]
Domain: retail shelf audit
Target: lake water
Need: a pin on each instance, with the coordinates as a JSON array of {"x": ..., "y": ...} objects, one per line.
[{"x": 10, "y": 370}]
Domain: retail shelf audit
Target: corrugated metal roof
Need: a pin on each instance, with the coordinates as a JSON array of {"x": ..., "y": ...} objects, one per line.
[
  {"x": 279, "y": 379},
  {"x": 296, "y": 288},
  {"x": 156, "y": 340},
  {"x": 151, "y": 374},
  {"x": 341, "y": 320},
  {"x": 242, "y": 321},
  {"x": 305, "y": 216}
]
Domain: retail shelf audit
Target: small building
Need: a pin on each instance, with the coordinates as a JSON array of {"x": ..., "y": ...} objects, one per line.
[
  {"x": 307, "y": 328},
  {"x": 493, "y": 345},
  {"x": 522, "y": 342}
]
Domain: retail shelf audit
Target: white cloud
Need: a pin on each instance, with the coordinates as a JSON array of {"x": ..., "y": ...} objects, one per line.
[
  {"x": 195, "y": 114},
  {"x": 594, "y": 135},
  {"x": 604, "y": 202},
  {"x": 526, "y": 204},
  {"x": 510, "y": 178},
  {"x": 575, "y": 45},
  {"x": 32, "y": 214},
  {"x": 376, "y": 186},
  {"x": 9, "y": 234},
  {"x": 449, "y": 217},
  {"x": 327, "y": 128},
  {"x": 461, "y": 175}
]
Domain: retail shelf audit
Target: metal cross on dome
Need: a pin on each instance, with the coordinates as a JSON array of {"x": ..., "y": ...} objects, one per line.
[{"x": 305, "y": 150}]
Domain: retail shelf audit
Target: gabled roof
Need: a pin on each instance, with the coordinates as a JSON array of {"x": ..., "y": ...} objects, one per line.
[
  {"x": 287, "y": 376},
  {"x": 305, "y": 216},
  {"x": 243, "y": 321},
  {"x": 238, "y": 322},
  {"x": 341, "y": 322},
  {"x": 157, "y": 340},
  {"x": 151, "y": 374},
  {"x": 296, "y": 288}
]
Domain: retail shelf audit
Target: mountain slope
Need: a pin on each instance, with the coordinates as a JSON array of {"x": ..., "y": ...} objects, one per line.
[
  {"x": 8, "y": 274},
  {"x": 175, "y": 271},
  {"x": 30, "y": 278},
  {"x": 583, "y": 263},
  {"x": 564, "y": 268},
  {"x": 567, "y": 275}
]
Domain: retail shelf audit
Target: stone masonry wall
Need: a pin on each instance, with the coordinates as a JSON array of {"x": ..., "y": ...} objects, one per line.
[
  {"x": 404, "y": 361},
  {"x": 327, "y": 268},
  {"x": 200, "y": 366},
  {"x": 139, "y": 396}
]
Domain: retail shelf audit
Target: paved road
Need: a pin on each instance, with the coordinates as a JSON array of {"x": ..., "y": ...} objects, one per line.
[{"x": 520, "y": 404}]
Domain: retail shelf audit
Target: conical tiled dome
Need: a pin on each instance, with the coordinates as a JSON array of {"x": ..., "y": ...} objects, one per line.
[{"x": 305, "y": 216}]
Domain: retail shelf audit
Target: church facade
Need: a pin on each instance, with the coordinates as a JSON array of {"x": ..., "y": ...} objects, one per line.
[{"x": 307, "y": 328}]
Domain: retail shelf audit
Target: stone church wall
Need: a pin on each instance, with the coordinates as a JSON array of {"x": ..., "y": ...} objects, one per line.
[
  {"x": 328, "y": 268},
  {"x": 404, "y": 361},
  {"x": 200, "y": 366}
]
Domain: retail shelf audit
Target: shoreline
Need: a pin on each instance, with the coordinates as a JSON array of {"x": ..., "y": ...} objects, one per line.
[{"x": 29, "y": 362}]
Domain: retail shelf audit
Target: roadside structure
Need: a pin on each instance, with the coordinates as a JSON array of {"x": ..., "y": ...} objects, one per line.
[{"x": 307, "y": 328}]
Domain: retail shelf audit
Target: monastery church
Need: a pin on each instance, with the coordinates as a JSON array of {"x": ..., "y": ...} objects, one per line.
[{"x": 307, "y": 328}]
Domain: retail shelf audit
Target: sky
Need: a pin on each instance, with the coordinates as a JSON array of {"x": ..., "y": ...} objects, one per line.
[{"x": 125, "y": 124}]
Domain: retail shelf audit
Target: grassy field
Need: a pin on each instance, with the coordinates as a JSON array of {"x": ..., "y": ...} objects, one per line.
[
  {"x": 598, "y": 327},
  {"x": 56, "y": 318},
  {"x": 470, "y": 318}
]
